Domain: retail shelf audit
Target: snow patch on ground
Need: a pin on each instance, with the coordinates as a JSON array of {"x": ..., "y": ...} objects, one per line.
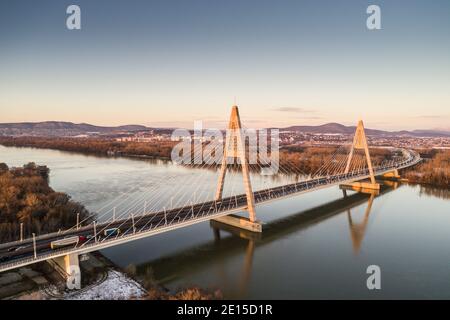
[{"x": 117, "y": 286}]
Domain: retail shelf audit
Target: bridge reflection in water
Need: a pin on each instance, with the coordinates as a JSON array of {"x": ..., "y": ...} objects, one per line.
[
  {"x": 358, "y": 229},
  {"x": 229, "y": 242}
]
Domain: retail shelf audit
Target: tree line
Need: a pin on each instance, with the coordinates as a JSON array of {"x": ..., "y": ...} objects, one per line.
[
  {"x": 26, "y": 197},
  {"x": 94, "y": 146},
  {"x": 310, "y": 159},
  {"x": 434, "y": 169}
]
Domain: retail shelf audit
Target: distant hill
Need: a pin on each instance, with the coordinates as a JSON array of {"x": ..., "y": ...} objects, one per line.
[
  {"x": 337, "y": 128},
  {"x": 61, "y": 128},
  {"x": 437, "y": 133},
  {"x": 67, "y": 129}
]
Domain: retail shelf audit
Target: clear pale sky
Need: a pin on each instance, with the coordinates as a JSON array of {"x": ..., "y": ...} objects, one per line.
[{"x": 168, "y": 63}]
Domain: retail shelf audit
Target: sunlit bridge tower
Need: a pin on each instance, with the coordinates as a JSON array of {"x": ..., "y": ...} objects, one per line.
[
  {"x": 360, "y": 143},
  {"x": 235, "y": 149}
]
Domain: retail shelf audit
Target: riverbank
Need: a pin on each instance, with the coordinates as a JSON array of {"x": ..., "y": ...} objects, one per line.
[
  {"x": 29, "y": 205},
  {"x": 27, "y": 281},
  {"x": 157, "y": 291},
  {"x": 101, "y": 280},
  {"x": 434, "y": 170},
  {"x": 94, "y": 146}
]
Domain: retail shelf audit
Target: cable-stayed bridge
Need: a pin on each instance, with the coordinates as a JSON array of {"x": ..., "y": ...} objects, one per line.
[{"x": 349, "y": 170}]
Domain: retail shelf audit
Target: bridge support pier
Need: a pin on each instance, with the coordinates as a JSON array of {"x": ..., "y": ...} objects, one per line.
[
  {"x": 393, "y": 175},
  {"x": 218, "y": 226},
  {"x": 362, "y": 187},
  {"x": 68, "y": 266},
  {"x": 240, "y": 222}
]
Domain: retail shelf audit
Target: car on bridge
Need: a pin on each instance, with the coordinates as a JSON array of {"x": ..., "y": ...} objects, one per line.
[
  {"x": 72, "y": 240},
  {"x": 111, "y": 232}
]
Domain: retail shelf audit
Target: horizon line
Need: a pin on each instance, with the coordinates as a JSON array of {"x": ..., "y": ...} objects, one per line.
[{"x": 181, "y": 127}]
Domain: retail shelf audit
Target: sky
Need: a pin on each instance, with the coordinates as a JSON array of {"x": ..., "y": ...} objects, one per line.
[{"x": 167, "y": 63}]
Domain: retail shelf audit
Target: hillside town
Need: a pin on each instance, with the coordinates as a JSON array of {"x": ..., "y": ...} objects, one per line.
[{"x": 328, "y": 134}]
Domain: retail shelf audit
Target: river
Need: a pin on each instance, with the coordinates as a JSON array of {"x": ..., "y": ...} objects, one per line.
[{"x": 316, "y": 245}]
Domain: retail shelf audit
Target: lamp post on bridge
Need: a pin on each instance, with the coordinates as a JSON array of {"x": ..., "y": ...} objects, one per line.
[
  {"x": 132, "y": 220},
  {"x": 95, "y": 231},
  {"x": 34, "y": 245},
  {"x": 21, "y": 231}
]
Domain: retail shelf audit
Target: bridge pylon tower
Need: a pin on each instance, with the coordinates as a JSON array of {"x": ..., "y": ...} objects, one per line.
[
  {"x": 235, "y": 149},
  {"x": 360, "y": 143}
]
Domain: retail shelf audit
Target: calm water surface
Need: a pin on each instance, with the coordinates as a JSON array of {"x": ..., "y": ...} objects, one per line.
[{"x": 316, "y": 245}]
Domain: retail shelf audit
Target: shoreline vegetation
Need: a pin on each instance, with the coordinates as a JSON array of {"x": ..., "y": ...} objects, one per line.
[
  {"x": 27, "y": 198},
  {"x": 434, "y": 170},
  {"x": 305, "y": 160},
  {"x": 157, "y": 291},
  {"x": 94, "y": 146}
]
